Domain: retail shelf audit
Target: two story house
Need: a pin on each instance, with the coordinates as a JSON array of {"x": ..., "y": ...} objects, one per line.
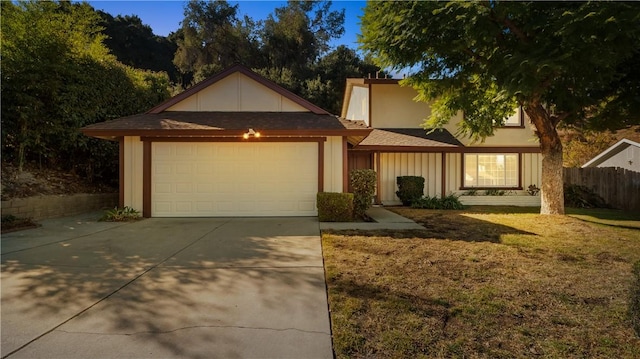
[
  {"x": 238, "y": 144},
  {"x": 506, "y": 163}
]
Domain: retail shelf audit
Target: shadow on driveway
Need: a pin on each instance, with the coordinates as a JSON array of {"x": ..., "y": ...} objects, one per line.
[{"x": 195, "y": 288}]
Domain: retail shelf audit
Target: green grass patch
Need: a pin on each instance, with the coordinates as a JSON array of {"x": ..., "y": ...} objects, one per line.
[{"x": 483, "y": 283}]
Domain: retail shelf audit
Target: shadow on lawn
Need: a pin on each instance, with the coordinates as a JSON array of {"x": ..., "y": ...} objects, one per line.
[{"x": 452, "y": 226}]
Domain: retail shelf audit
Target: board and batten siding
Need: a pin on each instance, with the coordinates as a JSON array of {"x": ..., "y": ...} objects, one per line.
[
  {"x": 392, "y": 165},
  {"x": 333, "y": 164},
  {"x": 133, "y": 160},
  {"x": 237, "y": 92},
  {"x": 429, "y": 166}
]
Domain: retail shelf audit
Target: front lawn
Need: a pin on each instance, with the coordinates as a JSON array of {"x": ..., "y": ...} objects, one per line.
[{"x": 482, "y": 283}]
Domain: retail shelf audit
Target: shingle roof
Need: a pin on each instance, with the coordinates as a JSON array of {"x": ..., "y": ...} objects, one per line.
[
  {"x": 410, "y": 137},
  {"x": 218, "y": 123}
]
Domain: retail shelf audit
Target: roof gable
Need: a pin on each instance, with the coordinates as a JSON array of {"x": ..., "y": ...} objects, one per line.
[
  {"x": 610, "y": 152},
  {"x": 237, "y": 89}
]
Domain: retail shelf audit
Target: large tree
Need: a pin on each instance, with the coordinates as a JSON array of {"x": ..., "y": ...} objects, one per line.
[
  {"x": 563, "y": 62},
  {"x": 58, "y": 76}
]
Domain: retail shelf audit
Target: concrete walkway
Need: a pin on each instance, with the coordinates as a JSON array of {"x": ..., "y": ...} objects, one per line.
[
  {"x": 165, "y": 288},
  {"x": 384, "y": 219}
]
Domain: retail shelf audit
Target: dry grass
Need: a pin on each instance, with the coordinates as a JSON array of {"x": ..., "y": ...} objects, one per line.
[{"x": 483, "y": 285}]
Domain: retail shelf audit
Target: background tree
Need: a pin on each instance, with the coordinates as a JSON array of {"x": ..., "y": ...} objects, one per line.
[
  {"x": 213, "y": 38},
  {"x": 564, "y": 62},
  {"x": 134, "y": 44},
  {"x": 57, "y": 76}
]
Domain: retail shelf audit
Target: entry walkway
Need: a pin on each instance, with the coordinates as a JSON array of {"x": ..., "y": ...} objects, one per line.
[{"x": 384, "y": 219}]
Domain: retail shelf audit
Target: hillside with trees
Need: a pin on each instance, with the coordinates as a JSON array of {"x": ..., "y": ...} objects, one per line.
[{"x": 66, "y": 65}]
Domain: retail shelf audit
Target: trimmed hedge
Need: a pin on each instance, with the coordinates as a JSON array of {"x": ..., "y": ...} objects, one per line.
[
  {"x": 410, "y": 189},
  {"x": 363, "y": 183},
  {"x": 335, "y": 207},
  {"x": 634, "y": 302}
]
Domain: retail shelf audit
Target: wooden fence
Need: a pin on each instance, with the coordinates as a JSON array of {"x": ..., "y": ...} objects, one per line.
[{"x": 619, "y": 187}]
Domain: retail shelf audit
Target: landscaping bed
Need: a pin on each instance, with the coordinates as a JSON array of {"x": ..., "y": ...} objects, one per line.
[{"x": 483, "y": 283}]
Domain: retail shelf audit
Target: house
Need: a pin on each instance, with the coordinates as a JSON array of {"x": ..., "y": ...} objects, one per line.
[
  {"x": 235, "y": 144},
  {"x": 624, "y": 154},
  {"x": 506, "y": 163}
]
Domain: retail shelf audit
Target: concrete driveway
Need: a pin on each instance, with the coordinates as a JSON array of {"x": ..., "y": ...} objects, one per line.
[{"x": 165, "y": 288}]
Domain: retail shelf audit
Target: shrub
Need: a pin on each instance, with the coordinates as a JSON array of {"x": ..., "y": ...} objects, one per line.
[
  {"x": 120, "y": 215},
  {"x": 363, "y": 183},
  {"x": 634, "y": 303},
  {"x": 582, "y": 197},
  {"x": 335, "y": 207},
  {"x": 449, "y": 202},
  {"x": 533, "y": 190},
  {"x": 410, "y": 188},
  {"x": 495, "y": 192}
]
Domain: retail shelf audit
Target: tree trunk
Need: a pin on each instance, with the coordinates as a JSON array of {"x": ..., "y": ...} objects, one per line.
[{"x": 552, "y": 191}]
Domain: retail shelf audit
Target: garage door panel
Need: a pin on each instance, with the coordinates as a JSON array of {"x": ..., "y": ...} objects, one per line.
[{"x": 234, "y": 179}]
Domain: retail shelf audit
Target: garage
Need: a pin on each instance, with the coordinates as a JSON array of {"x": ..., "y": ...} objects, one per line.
[
  {"x": 234, "y": 179},
  {"x": 233, "y": 145}
]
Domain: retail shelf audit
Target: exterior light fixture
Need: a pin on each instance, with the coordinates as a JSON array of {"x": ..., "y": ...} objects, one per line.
[{"x": 250, "y": 133}]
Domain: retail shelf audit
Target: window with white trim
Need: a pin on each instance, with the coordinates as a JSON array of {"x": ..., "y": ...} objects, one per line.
[{"x": 491, "y": 170}]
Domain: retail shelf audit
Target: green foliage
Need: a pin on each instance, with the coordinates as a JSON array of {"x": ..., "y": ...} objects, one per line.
[
  {"x": 335, "y": 207},
  {"x": 11, "y": 223},
  {"x": 579, "y": 148},
  {"x": 495, "y": 192},
  {"x": 485, "y": 58},
  {"x": 533, "y": 190},
  {"x": 582, "y": 197},
  {"x": 134, "y": 44},
  {"x": 449, "y": 202},
  {"x": 123, "y": 214},
  {"x": 634, "y": 302},
  {"x": 363, "y": 183},
  {"x": 410, "y": 189},
  {"x": 57, "y": 76}
]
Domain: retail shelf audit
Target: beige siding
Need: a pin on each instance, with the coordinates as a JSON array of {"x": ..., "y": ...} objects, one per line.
[
  {"x": 358, "y": 107},
  {"x": 392, "y": 165},
  {"x": 332, "y": 164},
  {"x": 454, "y": 173},
  {"x": 501, "y": 137},
  {"x": 237, "y": 92},
  {"x": 531, "y": 170},
  {"x": 392, "y": 106},
  {"x": 133, "y": 154},
  {"x": 629, "y": 159}
]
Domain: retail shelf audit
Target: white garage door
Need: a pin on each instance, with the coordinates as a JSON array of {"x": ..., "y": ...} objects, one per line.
[{"x": 234, "y": 179}]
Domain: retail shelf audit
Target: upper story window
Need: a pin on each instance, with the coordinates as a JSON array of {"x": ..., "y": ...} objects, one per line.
[
  {"x": 491, "y": 170},
  {"x": 515, "y": 120}
]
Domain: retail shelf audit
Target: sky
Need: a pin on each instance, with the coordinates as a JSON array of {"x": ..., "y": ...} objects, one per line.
[{"x": 164, "y": 16}]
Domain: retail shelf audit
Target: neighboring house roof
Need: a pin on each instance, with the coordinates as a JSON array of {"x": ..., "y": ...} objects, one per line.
[
  {"x": 394, "y": 138},
  {"x": 610, "y": 152},
  {"x": 191, "y": 123}
]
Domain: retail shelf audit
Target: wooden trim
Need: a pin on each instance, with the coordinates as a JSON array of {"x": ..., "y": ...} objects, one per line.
[
  {"x": 370, "y": 124},
  {"x": 443, "y": 169},
  {"x": 146, "y": 179},
  {"x": 121, "y": 172},
  {"x": 498, "y": 188},
  {"x": 233, "y": 139},
  {"x": 520, "y": 170},
  {"x": 321, "y": 166},
  {"x": 247, "y": 72},
  {"x": 378, "y": 180},
  {"x": 345, "y": 165},
  {"x": 451, "y": 149}
]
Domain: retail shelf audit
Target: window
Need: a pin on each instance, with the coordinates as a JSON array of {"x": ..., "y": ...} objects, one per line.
[
  {"x": 515, "y": 120},
  {"x": 491, "y": 170}
]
